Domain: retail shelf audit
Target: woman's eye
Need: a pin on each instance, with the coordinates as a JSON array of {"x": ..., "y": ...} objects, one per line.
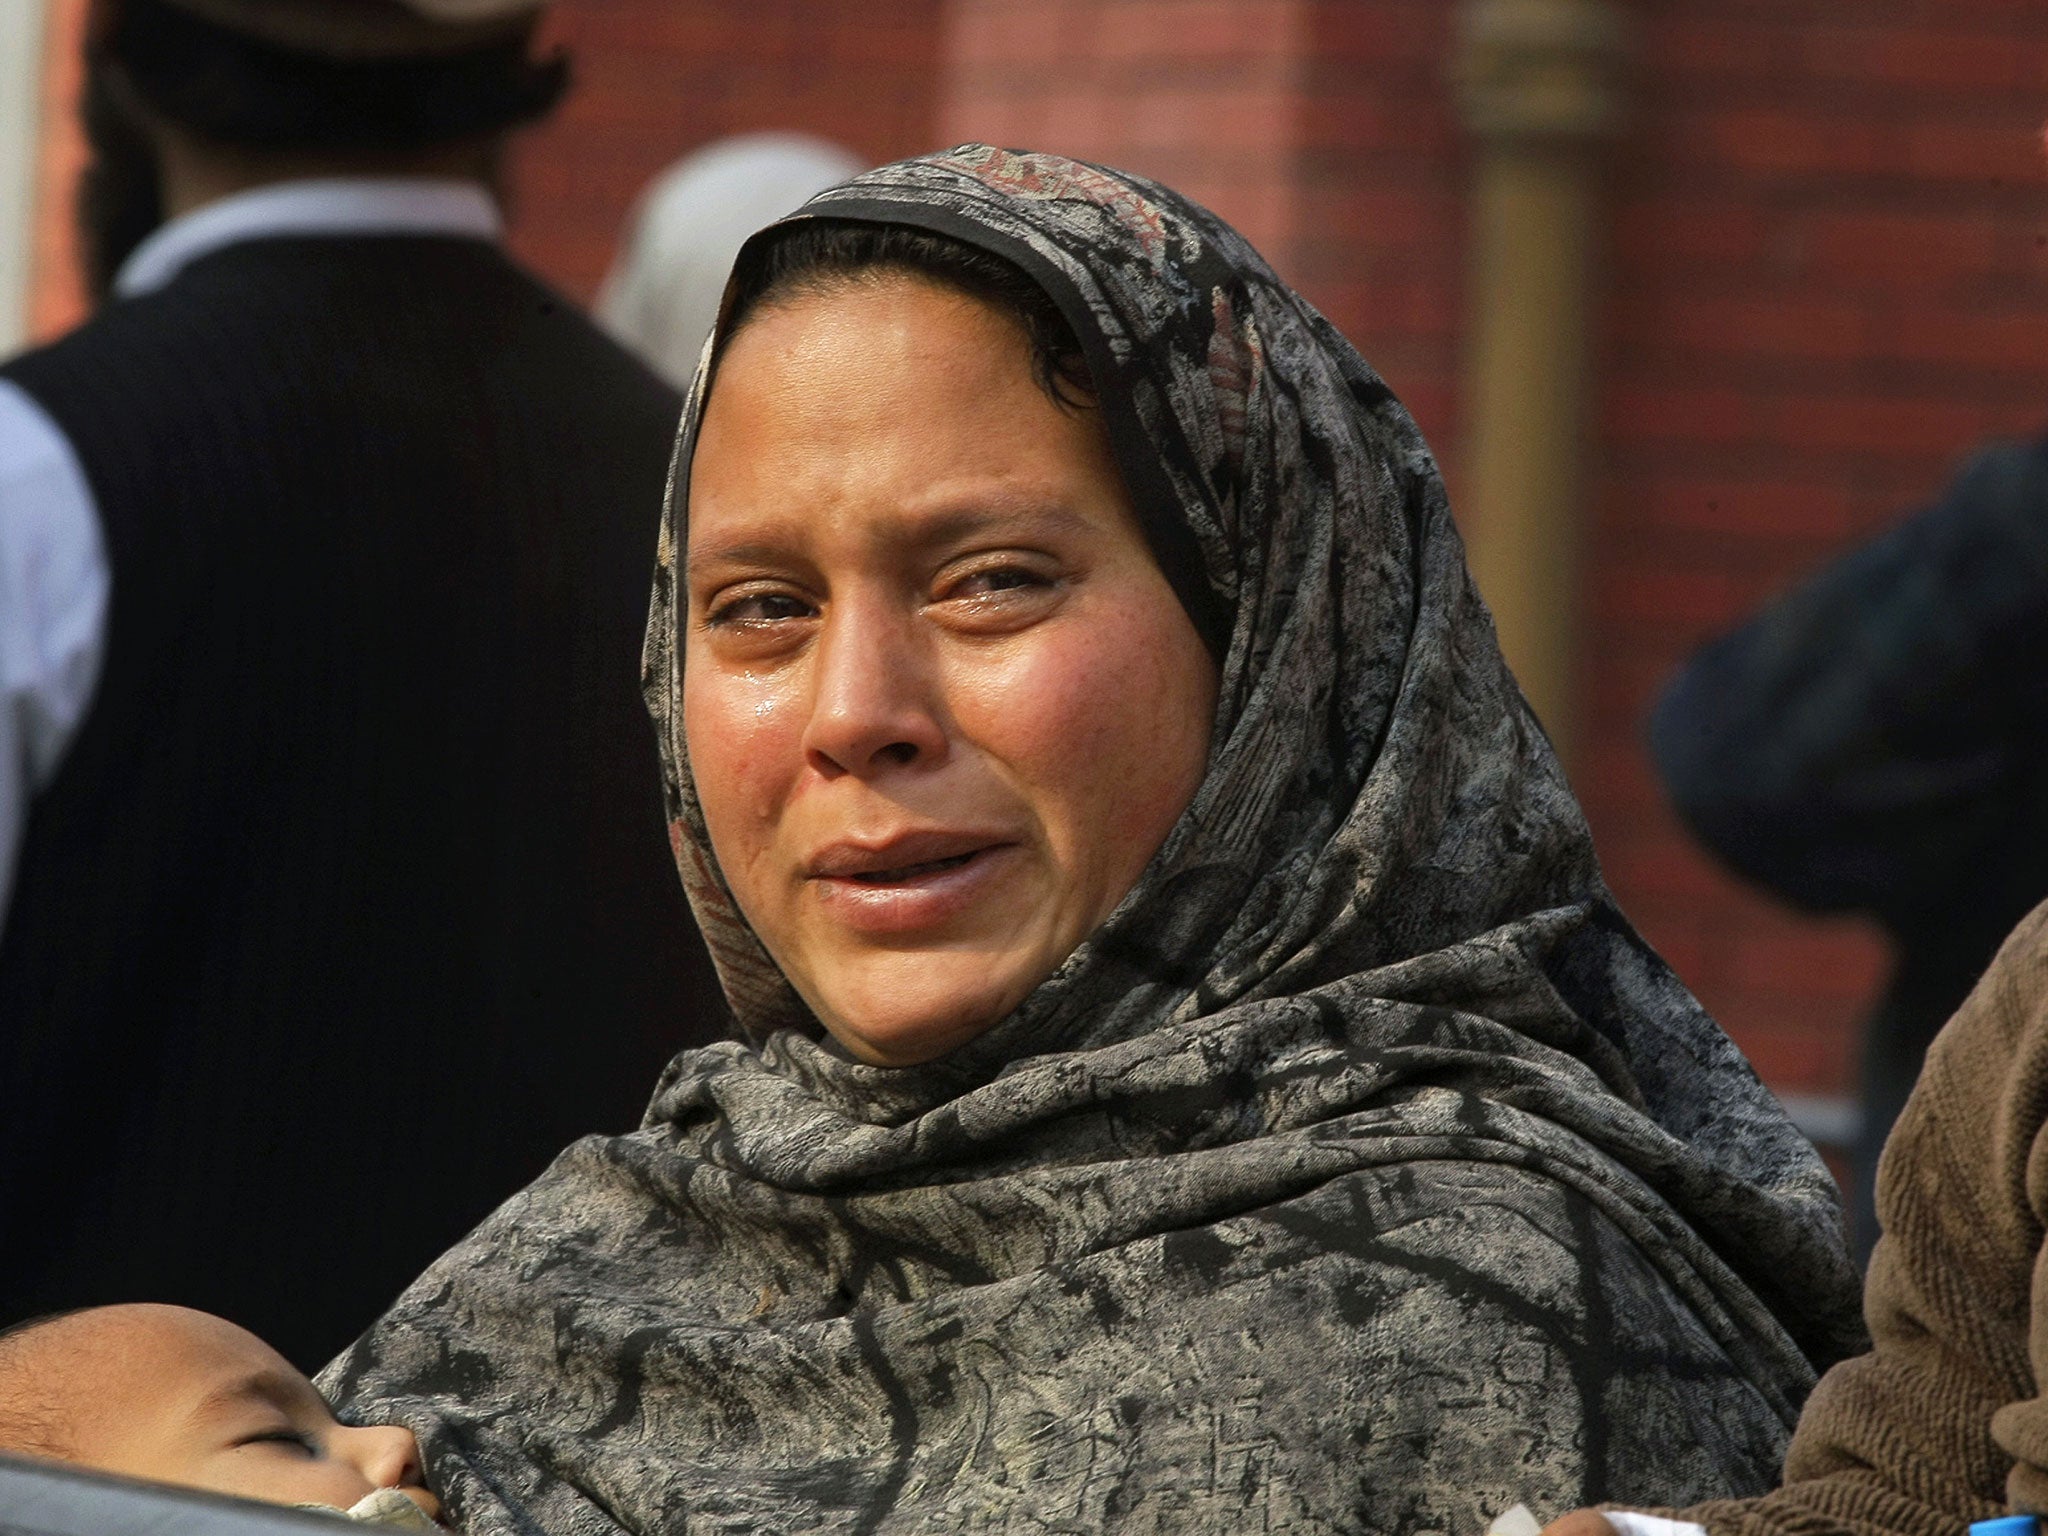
[
  {"x": 998, "y": 578},
  {"x": 756, "y": 608}
]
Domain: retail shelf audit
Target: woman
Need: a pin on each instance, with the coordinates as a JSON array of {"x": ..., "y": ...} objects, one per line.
[{"x": 1194, "y": 1077}]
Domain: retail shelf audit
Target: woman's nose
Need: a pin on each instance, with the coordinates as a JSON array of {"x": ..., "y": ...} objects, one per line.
[{"x": 873, "y": 702}]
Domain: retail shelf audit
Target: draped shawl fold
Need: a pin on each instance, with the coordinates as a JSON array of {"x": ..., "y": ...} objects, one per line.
[{"x": 1363, "y": 1172}]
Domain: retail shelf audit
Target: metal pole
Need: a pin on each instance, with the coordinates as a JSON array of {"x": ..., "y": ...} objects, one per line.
[{"x": 1540, "y": 90}]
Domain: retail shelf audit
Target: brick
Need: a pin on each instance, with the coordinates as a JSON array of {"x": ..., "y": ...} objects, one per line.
[
  {"x": 1002, "y": 31},
  {"x": 1362, "y": 219},
  {"x": 1782, "y": 142},
  {"x": 1809, "y": 327},
  {"x": 1613, "y": 772},
  {"x": 1075, "y": 123},
  {"x": 1878, "y": 426},
  {"x": 1378, "y": 116},
  {"x": 1711, "y": 415},
  {"x": 1808, "y": 961},
  {"x": 1969, "y": 63},
  {"x": 1430, "y": 392},
  {"x": 1666, "y": 233},
  {"x": 2010, "y": 340},
  {"x": 1965, "y": 56},
  {"x": 1216, "y": 34},
  {"x": 58, "y": 301},
  {"x": 1249, "y": 119},
  {"x": 1684, "y": 604},
  {"x": 1807, "y": 1060},
  {"x": 1349, "y": 36},
  {"x": 1772, "y": 509},
  {"x": 657, "y": 79},
  {"x": 1666, "y": 868},
  {"x": 1680, "y": 43},
  {"x": 1995, "y": 153},
  {"x": 1372, "y": 313},
  {"x": 1904, "y": 250}
]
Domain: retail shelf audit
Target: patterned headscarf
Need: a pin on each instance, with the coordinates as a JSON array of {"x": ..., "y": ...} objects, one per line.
[{"x": 1363, "y": 1172}]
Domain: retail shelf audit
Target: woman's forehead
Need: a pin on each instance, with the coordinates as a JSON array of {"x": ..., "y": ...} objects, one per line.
[
  {"x": 889, "y": 317},
  {"x": 912, "y": 410}
]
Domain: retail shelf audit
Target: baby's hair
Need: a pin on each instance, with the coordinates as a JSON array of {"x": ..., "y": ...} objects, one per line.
[{"x": 28, "y": 1422}]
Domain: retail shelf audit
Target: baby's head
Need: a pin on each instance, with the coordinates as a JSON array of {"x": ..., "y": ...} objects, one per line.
[{"x": 176, "y": 1396}]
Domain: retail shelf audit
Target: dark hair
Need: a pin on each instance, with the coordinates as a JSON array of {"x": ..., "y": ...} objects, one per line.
[
  {"x": 240, "y": 90},
  {"x": 120, "y": 194},
  {"x": 822, "y": 255}
]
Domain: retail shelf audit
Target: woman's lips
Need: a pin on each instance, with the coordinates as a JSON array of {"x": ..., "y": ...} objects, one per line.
[
  {"x": 910, "y": 871},
  {"x": 906, "y": 888}
]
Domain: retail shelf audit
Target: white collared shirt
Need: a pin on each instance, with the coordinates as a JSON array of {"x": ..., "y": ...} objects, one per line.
[{"x": 54, "y": 578}]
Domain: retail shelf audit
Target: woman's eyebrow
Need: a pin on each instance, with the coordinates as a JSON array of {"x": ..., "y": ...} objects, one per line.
[
  {"x": 948, "y": 523},
  {"x": 956, "y": 524},
  {"x": 743, "y": 554}
]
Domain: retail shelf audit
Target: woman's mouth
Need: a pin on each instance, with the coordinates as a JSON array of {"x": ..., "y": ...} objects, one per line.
[
  {"x": 911, "y": 886},
  {"x": 909, "y": 872}
]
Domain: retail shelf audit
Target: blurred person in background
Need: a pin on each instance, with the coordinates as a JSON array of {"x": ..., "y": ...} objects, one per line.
[
  {"x": 1871, "y": 743},
  {"x": 661, "y": 296},
  {"x": 325, "y": 790}
]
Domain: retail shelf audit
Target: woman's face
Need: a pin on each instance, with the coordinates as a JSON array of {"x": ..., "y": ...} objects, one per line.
[{"x": 942, "y": 706}]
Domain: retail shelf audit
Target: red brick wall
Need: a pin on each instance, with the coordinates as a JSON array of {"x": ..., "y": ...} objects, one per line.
[
  {"x": 1319, "y": 127},
  {"x": 657, "y": 78},
  {"x": 1382, "y": 169},
  {"x": 1829, "y": 277},
  {"x": 1829, "y": 281},
  {"x": 1203, "y": 94},
  {"x": 58, "y": 298}
]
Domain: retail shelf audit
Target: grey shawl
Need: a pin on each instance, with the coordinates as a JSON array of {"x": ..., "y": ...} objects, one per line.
[{"x": 1364, "y": 1172}]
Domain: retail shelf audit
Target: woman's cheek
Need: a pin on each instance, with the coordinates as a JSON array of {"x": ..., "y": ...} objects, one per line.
[
  {"x": 1070, "y": 709},
  {"x": 745, "y": 740},
  {"x": 1108, "y": 722}
]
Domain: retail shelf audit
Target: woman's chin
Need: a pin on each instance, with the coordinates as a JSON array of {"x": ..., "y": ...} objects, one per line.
[{"x": 926, "y": 1010}]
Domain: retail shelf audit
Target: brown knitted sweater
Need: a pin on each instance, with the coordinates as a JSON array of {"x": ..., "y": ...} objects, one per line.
[{"x": 1943, "y": 1422}]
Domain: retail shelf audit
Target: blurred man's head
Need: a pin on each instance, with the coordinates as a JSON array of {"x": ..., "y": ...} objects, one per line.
[{"x": 186, "y": 99}]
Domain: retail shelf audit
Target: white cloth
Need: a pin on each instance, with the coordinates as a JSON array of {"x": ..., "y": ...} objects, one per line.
[
  {"x": 54, "y": 577},
  {"x": 387, "y": 1506},
  {"x": 338, "y": 206},
  {"x": 661, "y": 297},
  {"x": 1518, "y": 1521},
  {"x": 53, "y": 609},
  {"x": 1627, "y": 1522}
]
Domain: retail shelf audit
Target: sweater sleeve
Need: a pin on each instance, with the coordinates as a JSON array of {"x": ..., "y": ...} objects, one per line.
[{"x": 1942, "y": 1423}]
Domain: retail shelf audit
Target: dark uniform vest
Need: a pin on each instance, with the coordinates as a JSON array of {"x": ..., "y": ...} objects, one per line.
[{"x": 351, "y": 904}]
